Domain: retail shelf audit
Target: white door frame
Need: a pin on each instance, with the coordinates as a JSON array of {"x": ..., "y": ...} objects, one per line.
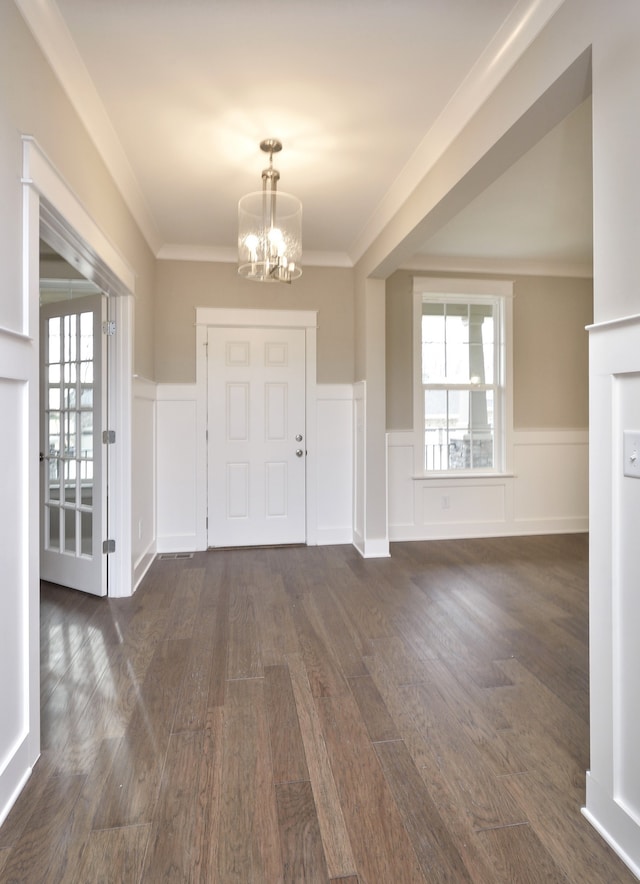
[
  {"x": 254, "y": 318},
  {"x": 49, "y": 201}
]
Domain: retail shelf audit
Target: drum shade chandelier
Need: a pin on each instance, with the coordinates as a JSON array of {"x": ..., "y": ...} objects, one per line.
[{"x": 270, "y": 228}]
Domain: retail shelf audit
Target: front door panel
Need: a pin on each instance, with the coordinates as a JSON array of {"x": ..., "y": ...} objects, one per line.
[{"x": 256, "y": 425}]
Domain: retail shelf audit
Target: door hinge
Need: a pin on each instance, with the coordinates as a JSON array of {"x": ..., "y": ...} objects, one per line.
[
  {"x": 108, "y": 437},
  {"x": 108, "y": 546},
  {"x": 109, "y": 327}
]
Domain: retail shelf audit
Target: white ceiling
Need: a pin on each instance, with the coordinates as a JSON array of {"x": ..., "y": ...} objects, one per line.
[{"x": 179, "y": 93}]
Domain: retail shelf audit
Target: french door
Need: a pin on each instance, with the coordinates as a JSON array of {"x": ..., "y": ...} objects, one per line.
[
  {"x": 74, "y": 468},
  {"x": 256, "y": 436}
]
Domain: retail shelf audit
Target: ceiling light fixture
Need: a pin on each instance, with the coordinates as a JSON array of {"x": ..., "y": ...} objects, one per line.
[{"x": 270, "y": 228}]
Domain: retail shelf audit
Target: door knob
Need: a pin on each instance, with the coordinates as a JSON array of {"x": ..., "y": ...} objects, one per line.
[
  {"x": 299, "y": 452},
  {"x": 298, "y": 438}
]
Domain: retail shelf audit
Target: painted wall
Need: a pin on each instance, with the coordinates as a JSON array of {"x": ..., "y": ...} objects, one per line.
[
  {"x": 33, "y": 103},
  {"x": 182, "y": 286},
  {"x": 550, "y": 351}
]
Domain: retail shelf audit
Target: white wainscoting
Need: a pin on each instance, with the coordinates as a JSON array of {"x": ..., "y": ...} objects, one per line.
[
  {"x": 334, "y": 495},
  {"x": 547, "y": 492},
  {"x": 177, "y": 469},
  {"x": 613, "y": 782},
  {"x": 19, "y": 691},
  {"x": 359, "y": 465},
  {"x": 176, "y": 466},
  {"x": 144, "y": 479}
]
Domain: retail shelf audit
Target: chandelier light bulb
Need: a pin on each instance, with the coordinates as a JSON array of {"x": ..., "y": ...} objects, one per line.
[{"x": 270, "y": 229}]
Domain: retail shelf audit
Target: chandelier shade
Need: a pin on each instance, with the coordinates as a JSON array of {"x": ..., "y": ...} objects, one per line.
[{"x": 270, "y": 229}]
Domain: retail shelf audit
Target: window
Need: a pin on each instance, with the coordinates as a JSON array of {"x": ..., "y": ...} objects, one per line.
[{"x": 461, "y": 403}]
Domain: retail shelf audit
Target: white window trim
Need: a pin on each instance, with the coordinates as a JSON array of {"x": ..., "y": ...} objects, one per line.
[{"x": 465, "y": 288}]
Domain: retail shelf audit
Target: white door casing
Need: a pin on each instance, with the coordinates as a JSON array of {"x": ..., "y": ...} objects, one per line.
[
  {"x": 74, "y": 468},
  {"x": 256, "y": 436}
]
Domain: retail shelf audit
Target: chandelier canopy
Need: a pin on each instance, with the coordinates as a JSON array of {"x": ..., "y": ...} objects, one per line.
[{"x": 270, "y": 228}]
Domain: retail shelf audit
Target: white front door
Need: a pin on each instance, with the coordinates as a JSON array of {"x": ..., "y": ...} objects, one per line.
[
  {"x": 256, "y": 436},
  {"x": 73, "y": 408}
]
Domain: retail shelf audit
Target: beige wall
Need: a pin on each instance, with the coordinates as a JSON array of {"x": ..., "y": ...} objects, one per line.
[
  {"x": 550, "y": 352},
  {"x": 33, "y": 103},
  {"x": 182, "y": 286}
]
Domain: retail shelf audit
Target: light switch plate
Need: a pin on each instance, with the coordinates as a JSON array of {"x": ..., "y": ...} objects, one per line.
[{"x": 631, "y": 453}]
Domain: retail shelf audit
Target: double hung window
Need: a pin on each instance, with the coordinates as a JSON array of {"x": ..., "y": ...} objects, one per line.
[{"x": 461, "y": 392}]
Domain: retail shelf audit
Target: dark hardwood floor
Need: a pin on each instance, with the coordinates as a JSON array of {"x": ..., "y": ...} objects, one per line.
[{"x": 293, "y": 715}]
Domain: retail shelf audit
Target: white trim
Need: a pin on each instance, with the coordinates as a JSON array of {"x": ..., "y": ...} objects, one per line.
[
  {"x": 509, "y": 266},
  {"x": 177, "y": 392},
  {"x": 237, "y": 317},
  {"x": 39, "y": 173},
  {"x": 610, "y": 324},
  {"x": 41, "y": 180},
  {"x": 377, "y": 548},
  {"x": 120, "y": 563},
  {"x": 445, "y": 285},
  {"x": 499, "y": 290},
  {"x": 614, "y": 825},
  {"x": 250, "y": 318}
]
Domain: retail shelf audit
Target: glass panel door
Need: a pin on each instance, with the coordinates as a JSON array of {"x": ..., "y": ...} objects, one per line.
[{"x": 73, "y": 398}]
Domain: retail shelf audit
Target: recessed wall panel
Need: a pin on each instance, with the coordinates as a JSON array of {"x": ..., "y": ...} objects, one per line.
[{"x": 13, "y": 657}]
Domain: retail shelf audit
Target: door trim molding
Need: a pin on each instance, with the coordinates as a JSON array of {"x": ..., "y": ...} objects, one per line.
[
  {"x": 255, "y": 318},
  {"x": 53, "y": 209}
]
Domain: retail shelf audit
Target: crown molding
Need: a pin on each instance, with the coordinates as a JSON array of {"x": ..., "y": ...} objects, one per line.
[
  {"x": 44, "y": 20},
  {"x": 502, "y": 266},
  {"x": 516, "y": 34}
]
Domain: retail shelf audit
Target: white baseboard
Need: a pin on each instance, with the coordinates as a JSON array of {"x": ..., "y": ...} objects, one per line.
[
  {"x": 618, "y": 829},
  {"x": 141, "y": 566},
  {"x": 334, "y": 536},
  {"x": 374, "y": 549},
  {"x": 466, "y": 531}
]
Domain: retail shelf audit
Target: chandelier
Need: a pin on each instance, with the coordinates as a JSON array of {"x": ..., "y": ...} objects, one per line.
[{"x": 270, "y": 228}]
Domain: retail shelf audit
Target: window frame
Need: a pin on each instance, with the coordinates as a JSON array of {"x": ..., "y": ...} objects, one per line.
[{"x": 450, "y": 290}]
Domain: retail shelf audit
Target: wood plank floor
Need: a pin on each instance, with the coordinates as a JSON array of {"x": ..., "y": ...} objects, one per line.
[{"x": 294, "y": 715}]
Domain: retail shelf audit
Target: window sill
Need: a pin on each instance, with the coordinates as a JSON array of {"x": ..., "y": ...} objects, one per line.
[{"x": 459, "y": 475}]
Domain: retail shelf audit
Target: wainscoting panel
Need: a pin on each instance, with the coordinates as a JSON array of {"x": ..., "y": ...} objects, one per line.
[
  {"x": 551, "y": 490},
  {"x": 19, "y": 577},
  {"x": 546, "y": 493},
  {"x": 177, "y": 470},
  {"x": 177, "y": 477},
  {"x": 334, "y": 427},
  {"x": 613, "y": 782}
]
